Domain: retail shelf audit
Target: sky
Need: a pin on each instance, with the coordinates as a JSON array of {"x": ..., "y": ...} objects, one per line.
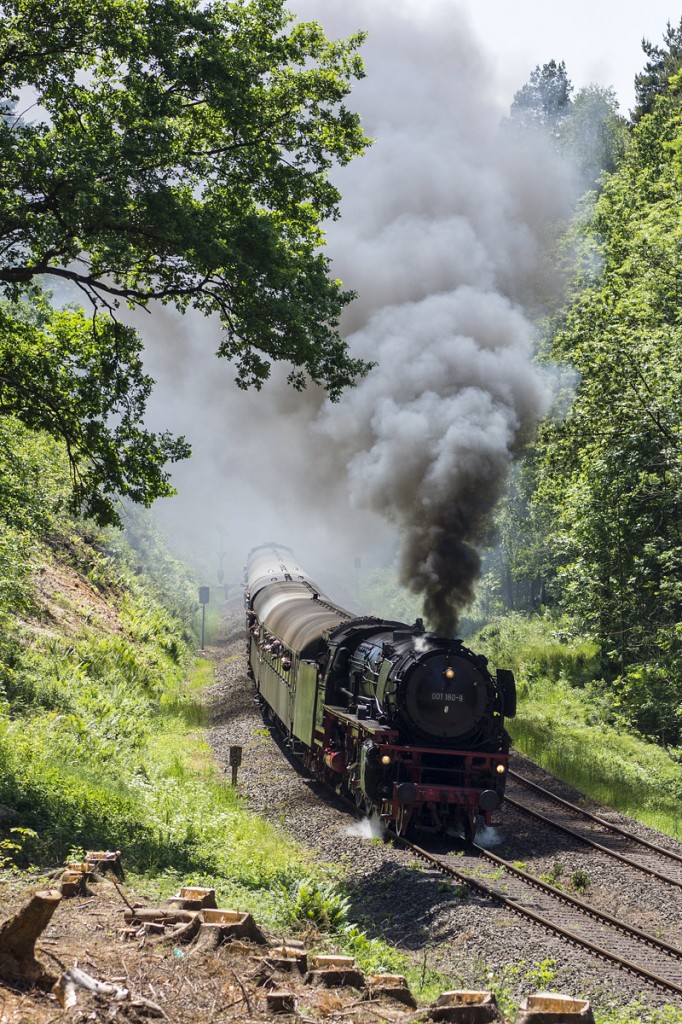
[
  {"x": 599, "y": 40},
  {"x": 441, "y": 235}
]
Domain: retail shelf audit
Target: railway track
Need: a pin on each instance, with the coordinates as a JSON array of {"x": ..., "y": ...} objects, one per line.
[
  {"x": 598, "y": 833},
  {"x": 645, "y": 961},
  {"x": 611, "y": 939}
]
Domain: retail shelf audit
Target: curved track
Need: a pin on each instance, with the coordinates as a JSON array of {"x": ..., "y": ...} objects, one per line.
[
  {"x": 653, "y": 859},
  {"x": 609, "y": 938}
]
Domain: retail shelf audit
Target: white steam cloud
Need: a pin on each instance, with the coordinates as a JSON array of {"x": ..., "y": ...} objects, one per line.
[{"x": 440, "y": 235}]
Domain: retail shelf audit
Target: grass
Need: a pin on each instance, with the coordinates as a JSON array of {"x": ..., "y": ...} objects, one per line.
[
  {"x": 563, "y": 722},
  {"x": 638, "y": 778}
]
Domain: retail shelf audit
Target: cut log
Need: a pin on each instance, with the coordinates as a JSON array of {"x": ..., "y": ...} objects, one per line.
[
  {"x": 159, "y": 915},
  {"x": 18, "y": 935},
  {"x": 75, "y": 978},
  {"x": 185, "y": 932}
]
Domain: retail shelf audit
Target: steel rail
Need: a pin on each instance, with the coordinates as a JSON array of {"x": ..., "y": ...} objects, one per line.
[
  {"x": 531, "y": 812},
  {"x": 585, "y": 908},
  {"x": 611, "y": 826},
  {"x": 575, "y": 938}
]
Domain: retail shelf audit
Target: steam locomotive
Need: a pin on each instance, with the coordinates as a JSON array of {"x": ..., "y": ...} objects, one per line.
[{"x": 408, "y": 724}]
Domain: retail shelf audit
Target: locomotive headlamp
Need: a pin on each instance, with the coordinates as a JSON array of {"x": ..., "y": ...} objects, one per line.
[
  {"x": 500, "y": 769},
  {"x": 449, "y": 672},
  {"x": 385, "y": 758}
]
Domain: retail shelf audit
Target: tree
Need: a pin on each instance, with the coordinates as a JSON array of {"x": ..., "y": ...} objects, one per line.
[
  {"x": 170, "y": 150},
  {"x": 587, "y": 129},
  {"x": 81, "y": 380},
  {"x": 594, "y": 135},
  {"x": 662, "y": 64},
  {"x": 610, "y": 472},
  {"x": 545, "y": 99}
]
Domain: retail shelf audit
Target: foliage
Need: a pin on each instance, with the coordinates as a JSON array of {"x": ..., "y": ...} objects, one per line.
[
  {"x": 539, "y": 647},
  {"x": 167, "y": 150},
  {"x": 545, "y": 99},
  {"x": 561, "y": 729},
  {"x": 311, "y": 901},
  {"x": 571, "y": 722},
  {"x": 580, "y": 880},
  {"x": 663, "y": 62},
  {"x": 380, "y": 593},
  {"x": 514, "y": 981},
  {"x": 636, "y": 1013},
  {"x": 587, "y": 131},
  {"x": 595, "y": 135},
  {"x": 608, "y": 475},
  {"x": 81, "y": 381},
  {"x": 11, "y": 847},
  {"x": 180, "y": 151}
]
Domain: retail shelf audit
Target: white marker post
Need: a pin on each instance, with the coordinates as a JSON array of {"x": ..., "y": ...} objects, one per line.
[{"x": 204, "y": 594}]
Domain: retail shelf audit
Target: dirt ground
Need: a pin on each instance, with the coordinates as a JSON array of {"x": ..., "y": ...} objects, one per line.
[{"x": 167, "y": 979}]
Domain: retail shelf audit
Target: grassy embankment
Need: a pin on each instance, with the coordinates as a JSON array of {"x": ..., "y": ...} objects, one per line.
[
  {"x": 101, "y": 740},
  {"x": 569, "y": 722}
]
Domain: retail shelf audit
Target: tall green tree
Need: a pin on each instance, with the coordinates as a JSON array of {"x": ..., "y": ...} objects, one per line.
[
  {"x": 545, "y": 99},
  {"x": 663, "y": 62},
  {"x": 595, "y": 135},
  {"x": 610, "y": 473},
  {"x": 177, "y": 151}
]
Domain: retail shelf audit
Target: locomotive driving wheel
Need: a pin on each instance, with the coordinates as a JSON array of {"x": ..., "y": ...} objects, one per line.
[
  {"x": 403, "y": 819},
  {"x": 362, "y": 803}
]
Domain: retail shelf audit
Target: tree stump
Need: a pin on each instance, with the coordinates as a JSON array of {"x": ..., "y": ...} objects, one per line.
[
  {"x": 193, "y": 898},
  {"x": 335, "y": 972},
  {"x": 390, "y": 986},
  {"x": 281, "y": 1002},
  {"x": 220, "y": 926},
  {"x": 18, "y": 935},
  {"x": 105, "y": 861},
  {"x": 75, "y": 883},
  {"x": 552, "y": 1007},
  {"x": 465, "y": 1007}
]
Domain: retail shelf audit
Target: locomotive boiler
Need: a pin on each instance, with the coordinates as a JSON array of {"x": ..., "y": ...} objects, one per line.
[{"x": 408, "y": 724}]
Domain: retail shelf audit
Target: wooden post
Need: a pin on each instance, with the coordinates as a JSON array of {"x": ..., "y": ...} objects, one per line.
[{"x": 18, "y": 936}]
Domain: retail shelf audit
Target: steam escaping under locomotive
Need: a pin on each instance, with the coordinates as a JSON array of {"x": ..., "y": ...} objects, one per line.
[{"x": 408, "y": 724}]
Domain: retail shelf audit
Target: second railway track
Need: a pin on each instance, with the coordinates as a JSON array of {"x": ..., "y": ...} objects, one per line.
[
  {"x": 612, "y": 840},
  {"x": 647, "y": 957}
]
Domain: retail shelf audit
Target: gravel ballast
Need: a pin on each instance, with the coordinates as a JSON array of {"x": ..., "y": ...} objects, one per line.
[{"x": 464, "y": 935}]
